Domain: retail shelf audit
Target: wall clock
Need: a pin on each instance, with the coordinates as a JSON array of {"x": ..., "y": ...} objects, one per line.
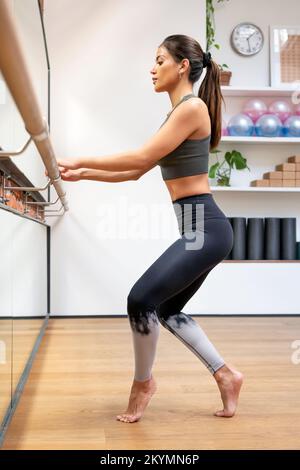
[{"x": 247, "y": 39}]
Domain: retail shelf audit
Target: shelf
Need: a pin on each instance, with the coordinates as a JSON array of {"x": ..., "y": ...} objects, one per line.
[
  {"x": 260, "y": 140},
  {"x": 255, "y": 189},
  {"x": 280, "y": 261},
  {"x": 257, "y": 91}
]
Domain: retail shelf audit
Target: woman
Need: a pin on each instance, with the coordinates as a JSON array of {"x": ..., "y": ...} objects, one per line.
[{"x": 181, "y": 148}]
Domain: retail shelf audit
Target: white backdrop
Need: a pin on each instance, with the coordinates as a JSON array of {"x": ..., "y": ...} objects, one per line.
[{"x": 103, "y": 102}]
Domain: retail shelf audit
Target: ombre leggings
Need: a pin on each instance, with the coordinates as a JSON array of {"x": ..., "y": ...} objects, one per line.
[{"x": 159, "y": 295}]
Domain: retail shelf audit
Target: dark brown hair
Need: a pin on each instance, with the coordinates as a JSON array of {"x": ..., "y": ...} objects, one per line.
[{"x": 185, "y": 47}]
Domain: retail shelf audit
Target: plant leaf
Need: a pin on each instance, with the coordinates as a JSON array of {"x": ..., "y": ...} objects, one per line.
[
  {"x": 239, "y": 161},
  {"x": 213, "y": 170},
  {"x": 228, "y": 158}
]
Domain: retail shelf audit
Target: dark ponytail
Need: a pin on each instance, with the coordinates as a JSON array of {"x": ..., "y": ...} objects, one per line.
[
  {"x": 185, "y": 47},
  {"x": 210, "y": 93}
]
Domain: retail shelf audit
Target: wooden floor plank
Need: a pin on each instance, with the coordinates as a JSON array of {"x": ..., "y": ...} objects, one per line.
[{"x": 82, "y": 374}]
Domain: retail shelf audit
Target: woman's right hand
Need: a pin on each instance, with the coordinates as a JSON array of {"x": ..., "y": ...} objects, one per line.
[
  {"x": 68, "y": 174},
  {"x": 67, "y": 164}
]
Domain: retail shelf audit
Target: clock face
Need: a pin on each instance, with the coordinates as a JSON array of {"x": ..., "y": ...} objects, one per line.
[{"x": 247, "y": 39}]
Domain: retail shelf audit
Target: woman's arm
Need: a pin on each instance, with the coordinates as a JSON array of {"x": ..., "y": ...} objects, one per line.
[
  {"x": 68, "y": 174},
  {"x": 181, "y": 124},
  {"x": 109, "y": 176}
]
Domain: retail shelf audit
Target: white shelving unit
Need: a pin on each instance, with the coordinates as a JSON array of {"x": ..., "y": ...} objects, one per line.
[
  {"x": 262, "y": 91},
  {"x": 260, "y": 261},
  {"x": 261, "y": 140},
  {"x": 253, "y": 189},
  {"x": 268, "y": 93}
]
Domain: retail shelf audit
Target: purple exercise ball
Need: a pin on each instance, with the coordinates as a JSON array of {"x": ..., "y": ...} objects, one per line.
[
  {"x": 255, "y": 108},
  {"x": 281, "y": 108}
]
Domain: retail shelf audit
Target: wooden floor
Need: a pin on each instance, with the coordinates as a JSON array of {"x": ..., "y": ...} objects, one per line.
[{"x": 83, "y": 371}]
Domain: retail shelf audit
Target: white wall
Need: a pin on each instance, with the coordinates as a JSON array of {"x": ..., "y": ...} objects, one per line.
[
  {"x": 103, "y": 103},
  {"x": 23, "y": 269},
  {"x": 250, "y": 71}
]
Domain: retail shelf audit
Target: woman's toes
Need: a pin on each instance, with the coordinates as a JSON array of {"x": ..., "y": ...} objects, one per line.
[
  {"x": 121, "y": 418},
  {"x": 132, "y": 419},
  {"x": 224, "y": 414}
]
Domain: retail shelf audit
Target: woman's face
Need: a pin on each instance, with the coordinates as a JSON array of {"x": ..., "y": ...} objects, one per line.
[{"x": 165, "y": 73}]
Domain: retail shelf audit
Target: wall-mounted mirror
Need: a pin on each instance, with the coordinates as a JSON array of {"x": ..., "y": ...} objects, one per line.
[
  {"x": 5, "y": 313},
  {"x": 23, "y": 266}
]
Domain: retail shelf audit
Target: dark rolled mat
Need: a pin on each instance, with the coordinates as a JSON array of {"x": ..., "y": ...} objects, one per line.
[
  {"x": 255, "y": 238},
  {"x": 239, "y": 238},
  {"x": 272, "y": 238},
  {"x": 288, "y": 238},
  {"x": 297, "y": 250},
  {"x": 229, "y": 256}
]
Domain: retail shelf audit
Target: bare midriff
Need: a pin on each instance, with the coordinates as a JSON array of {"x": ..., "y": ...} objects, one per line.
[{"x": 188, "y": 186}]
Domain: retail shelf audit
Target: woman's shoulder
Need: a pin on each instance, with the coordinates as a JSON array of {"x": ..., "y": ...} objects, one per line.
[
  {"x": 196, "y": 105},
  {"x": 197, "y": 102}
]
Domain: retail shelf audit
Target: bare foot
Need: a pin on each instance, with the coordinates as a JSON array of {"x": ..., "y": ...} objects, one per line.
[
  {"x": 229, "y": 381},
  {"x": 140, "y": 395}
]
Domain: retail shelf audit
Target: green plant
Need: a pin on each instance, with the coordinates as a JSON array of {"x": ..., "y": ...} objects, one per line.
[
  {"x": 231, "y": 159},
  {"x": 210, "y": 24},
  {"x": 223, "y": 67}
]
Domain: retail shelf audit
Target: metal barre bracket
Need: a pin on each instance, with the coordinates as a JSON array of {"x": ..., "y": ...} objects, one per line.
[
  {"x": 36, "y": 137},
  {"x": 54, "y": 210},
  {"x": 18, "y": 152},
  {"x": 25, "y": 188},
  {"x": 46, "y": 213},
  {"x": 57, "y": 215},
  {"x": 40, "y": 203}
]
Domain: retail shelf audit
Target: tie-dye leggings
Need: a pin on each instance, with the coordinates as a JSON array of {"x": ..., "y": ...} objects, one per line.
[{"x": 206, "y": 237}]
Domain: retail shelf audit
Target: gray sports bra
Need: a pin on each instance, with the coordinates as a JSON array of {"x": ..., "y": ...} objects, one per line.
[{"x": 189, "y": 158}]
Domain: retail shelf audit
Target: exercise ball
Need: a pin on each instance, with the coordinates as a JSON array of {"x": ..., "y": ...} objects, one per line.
[
  {"x": 268, "y": 125},
  {"x": 291, "y": 127},
  {"x": 297, "y": 110},
  {"x": 255, "y": 108},
  {"x": 240, "y": 125},
  {"x": 224, "y": 127},
  {"x": 281, "y": 108},
  {"x": 224, "y": 131}
]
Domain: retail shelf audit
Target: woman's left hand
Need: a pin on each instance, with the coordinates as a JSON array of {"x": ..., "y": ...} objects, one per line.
[{"x": 71, "y": 164}]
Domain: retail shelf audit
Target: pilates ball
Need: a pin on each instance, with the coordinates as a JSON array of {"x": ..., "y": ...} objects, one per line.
[
  {"x": 268, "y": 125},
  {"x": 291, "y": 127},
  {"x": 297, "y": 110},
  {"x": 280, "y": 108},
  {"x": 224, "y": 131},
  {"x": 240, "y": 125},
  {"x": 255, "y": 108},
  {"x": 224, "y": 127}
]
